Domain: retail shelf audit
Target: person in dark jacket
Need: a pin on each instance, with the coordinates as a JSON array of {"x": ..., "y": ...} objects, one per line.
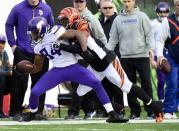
[
  {"x": 21, "y": 47},
  {"x": 5, "y": 70},
  {"x": 107, "y": 9}
]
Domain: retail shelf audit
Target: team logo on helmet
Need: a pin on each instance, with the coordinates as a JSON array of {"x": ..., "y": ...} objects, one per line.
[
  {"x": 162, "y": 7},
  {"x": 41, "y": 12}
]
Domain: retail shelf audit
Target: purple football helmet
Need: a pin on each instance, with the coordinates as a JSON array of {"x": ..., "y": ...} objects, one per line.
[
  {"x": 162, "y": 7},
  {"x": 37, "y": 27},
  {"x": 2, "y": 38}
]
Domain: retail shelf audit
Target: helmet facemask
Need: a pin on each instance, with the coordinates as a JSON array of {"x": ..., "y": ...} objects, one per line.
[{"x": 64, "y": 21}]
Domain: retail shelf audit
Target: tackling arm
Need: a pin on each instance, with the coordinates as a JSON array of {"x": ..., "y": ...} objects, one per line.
[
  {"x": 79, "y": 36},
  {"x": 74, "y": 49}
]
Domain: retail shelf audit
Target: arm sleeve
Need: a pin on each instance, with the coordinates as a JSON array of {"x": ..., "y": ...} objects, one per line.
[
  {"x": 148, "y": 33},
  {"x": 74, "y": 49},
  {"x": 9, "y": 26},
  {"x": 50, "y": 18},
  {"x": 114, "y": 36},
  {"x": 97, "y": 30}
]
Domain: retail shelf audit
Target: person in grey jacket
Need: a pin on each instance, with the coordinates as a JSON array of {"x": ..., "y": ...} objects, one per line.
[
  {"x": 95, "y": 26},
  {"x": 132, "y": 29}
]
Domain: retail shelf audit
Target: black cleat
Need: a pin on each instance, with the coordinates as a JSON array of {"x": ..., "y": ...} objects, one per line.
[
  {"x": 40, "y": 116},
  {"x": 72, "y": 117},
  {"x": 27, "y": 117},
  {"x": 134, "y": 117},
  {"x": 157, "y": 107},
  {"x": 17, "y": 117},
  {"x": 116, "y": 118}
]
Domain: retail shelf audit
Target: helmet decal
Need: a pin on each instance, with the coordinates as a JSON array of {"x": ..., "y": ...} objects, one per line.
[
  {"x": 69, "y": 13},
  {"x": 37, "y": 27}
]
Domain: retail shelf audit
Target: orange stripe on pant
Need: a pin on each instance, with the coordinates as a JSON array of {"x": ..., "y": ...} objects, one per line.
[{"x": 120, "y": 71}]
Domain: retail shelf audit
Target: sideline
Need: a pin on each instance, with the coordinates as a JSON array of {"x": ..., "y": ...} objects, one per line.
[{"x": 62, "y": 122}]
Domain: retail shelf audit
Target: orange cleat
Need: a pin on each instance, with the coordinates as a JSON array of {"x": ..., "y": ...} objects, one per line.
[
  {"x": 159, "y": 118},
  {"x": 157, "y": 108}
]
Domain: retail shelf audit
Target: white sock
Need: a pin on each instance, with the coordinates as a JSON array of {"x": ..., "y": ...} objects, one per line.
[
  {"x": 34, "y": 110},
  {"x": 108, "y": 107}
]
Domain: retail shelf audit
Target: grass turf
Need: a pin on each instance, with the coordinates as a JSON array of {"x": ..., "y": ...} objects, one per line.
[
  {"x": 95, "y": 127},
  {"x": 90, "y": 126}
]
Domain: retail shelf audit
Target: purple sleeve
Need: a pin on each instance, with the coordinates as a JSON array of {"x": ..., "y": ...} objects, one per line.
[
  {"x": 9, "y": 27},
  {"x": 50, "y": 18}
]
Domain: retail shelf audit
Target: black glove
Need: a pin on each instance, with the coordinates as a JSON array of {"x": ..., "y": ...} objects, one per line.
[{"x": 87, "y": 56}]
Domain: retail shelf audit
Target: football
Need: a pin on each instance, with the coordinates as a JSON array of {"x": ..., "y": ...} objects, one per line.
[
  {"x": 24, "y": 66},
  {"x": 165, "y": 66}
]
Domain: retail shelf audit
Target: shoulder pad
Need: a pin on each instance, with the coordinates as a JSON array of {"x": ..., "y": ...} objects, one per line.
[{"x": 58, "y": 30}]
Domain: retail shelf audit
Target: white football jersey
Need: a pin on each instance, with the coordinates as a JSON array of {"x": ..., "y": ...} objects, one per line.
[{"x": 58, "y": 58}]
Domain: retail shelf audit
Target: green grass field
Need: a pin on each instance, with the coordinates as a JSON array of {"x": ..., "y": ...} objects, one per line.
[
  {"x": 56, "y": 124},
  {"x": 95, "y": 127}
]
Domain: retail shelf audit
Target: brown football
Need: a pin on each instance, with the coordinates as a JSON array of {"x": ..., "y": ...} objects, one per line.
[
  {"x": 165, "y": 66},
  {"x": 24, "y": 66}
]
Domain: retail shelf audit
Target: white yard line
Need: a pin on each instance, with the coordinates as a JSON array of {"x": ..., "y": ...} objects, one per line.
[{"x": 62, "y": 122}]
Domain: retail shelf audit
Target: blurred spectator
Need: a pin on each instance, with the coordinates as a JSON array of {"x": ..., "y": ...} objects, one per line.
[
  {"x": 107, "y": 15},
  {"x": 21, "y": 48},
  {"x": 162, "y": 10},
  {"x": 132, "y": 29},
  {"x": 168, "y": 37},
  {"x": 5, "y": 70},
  {"x": 107, "y": 18}
]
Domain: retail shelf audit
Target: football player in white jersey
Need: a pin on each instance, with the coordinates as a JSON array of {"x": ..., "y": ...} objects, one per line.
[
  {"x": 103, "y": 63},
  {"x": 162, "y": 10},
  {"x": 65, "y": 67}
]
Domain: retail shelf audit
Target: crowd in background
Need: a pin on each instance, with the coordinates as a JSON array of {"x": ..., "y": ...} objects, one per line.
[{"x": 130, "y": 33}]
